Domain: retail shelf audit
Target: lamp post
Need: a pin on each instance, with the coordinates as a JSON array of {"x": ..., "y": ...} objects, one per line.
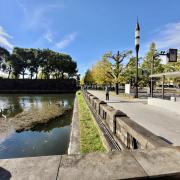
[
  {"x": 137, "y": 45},
  {"x": 172, "y": 57}
]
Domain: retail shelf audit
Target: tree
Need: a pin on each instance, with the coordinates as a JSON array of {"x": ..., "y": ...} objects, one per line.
[
  {"x": 23, "y": 56},
  {"x": 88, "y": 78},
  {"x": 32, "y": 62},
  {"x": 17, "y": 65},
  {"x": 36, "y": 62},
  {"x": 4, "y": 55},
  {"x": 117, "y": 66},
  {"x": 147, "y": 65},
  {"x": 101, "y": 72},
  {"x": 82, "y": 81},
  {"x": 130, "y": 71}
]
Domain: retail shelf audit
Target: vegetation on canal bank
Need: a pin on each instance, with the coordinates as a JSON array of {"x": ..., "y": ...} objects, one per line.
[
  {"x": 90, "y": 140},
  {"x": 29, "y": 119}
]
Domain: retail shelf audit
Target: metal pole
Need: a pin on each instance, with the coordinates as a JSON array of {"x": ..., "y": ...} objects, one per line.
[
  {"x": 163, "y": 87},
  {"x": 136, "y": 80},
  {"x": 152, "y": 71}
]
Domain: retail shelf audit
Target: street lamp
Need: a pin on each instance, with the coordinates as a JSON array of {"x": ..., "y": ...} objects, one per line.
[
  {"x": 172, "y": 57},
  {"x": 137, "y": 45}
]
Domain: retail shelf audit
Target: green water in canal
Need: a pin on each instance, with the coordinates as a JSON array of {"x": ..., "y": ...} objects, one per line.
[{"x": 46, "y": 139}]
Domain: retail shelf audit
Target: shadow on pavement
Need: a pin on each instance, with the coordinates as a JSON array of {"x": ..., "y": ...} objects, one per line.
[{"x": 4, "y": 174}]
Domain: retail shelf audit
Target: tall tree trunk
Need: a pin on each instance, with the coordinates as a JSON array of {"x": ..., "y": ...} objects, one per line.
[
  {"x": 62, "y": 75},
  {"x": 117, "y": 88},
  {"x": 110, "y": 86},
  {"x": 10, "y": 69},
  {"x": 9, "y": 74},
  {"x": 23, "y": 74}
]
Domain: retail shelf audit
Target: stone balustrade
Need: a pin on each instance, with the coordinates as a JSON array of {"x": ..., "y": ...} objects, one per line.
[{"x": 124, "y": 129}]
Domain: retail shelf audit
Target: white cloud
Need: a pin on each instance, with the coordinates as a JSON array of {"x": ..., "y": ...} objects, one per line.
[
  {"x": 22, "y": 6},
  {"x": 4, "y": 39},
  {"x": 48, "y": 36},
  {"x": 168, "y": 36},
  {"x": 66, "y": 41},
  {"x": 38, "y": 16}
]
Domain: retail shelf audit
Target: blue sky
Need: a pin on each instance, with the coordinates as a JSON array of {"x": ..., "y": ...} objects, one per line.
[{"x": 86, "y": 29}]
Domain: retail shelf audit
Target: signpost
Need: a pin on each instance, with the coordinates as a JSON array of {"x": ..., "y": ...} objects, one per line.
[
  {"x": 172, "y": 55},
  {"x": 127, "y": 89}
]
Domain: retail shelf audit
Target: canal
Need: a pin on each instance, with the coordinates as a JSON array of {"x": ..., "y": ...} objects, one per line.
[{"x": 51, "y": 138}]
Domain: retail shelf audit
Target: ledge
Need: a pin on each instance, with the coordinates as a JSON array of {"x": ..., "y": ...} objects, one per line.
[
  {"x": 74, "y": 144},
  {"x": 160, "y": 162}
]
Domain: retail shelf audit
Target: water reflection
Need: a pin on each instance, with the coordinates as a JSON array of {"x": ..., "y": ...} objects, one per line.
[
  {"x": 47, "y": 139},
  {"x": 10, "y": 105},
  {"x": 56, "y": 123}
]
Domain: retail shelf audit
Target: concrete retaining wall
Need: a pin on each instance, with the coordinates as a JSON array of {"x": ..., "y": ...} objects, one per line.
[
  {"x": 160, "y": 163},
  {"x": 125, "y": 130},
  {"x": 74, "y": 144}
]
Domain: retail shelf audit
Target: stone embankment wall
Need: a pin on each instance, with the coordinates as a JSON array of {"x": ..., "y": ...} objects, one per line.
[
  {"x": 128, "y": 133},
  {"x": 37, "y": 85}
]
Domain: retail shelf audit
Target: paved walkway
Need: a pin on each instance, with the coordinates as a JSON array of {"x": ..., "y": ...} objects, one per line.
[{"x": 163, "y": 123}]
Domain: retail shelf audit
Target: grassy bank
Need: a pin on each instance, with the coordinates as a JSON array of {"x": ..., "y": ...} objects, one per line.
[{"x": 90, "y": 140}]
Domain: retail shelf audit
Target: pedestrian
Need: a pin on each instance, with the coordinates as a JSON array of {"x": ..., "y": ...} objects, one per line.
[{"x": 107, "y": 92}]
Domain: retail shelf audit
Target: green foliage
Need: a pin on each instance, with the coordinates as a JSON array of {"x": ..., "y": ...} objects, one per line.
[
  {"x": 4, "y": 58},
  {"x": 130, "y": 71},
  {"x": 90, "y": 140},
  {"x": 171, "y": 67},
  {"x": 101, "y": 72},
  {"x": 116, "y": 65},
  {"x": 146, "y": 65},
  {"x": 32, "y": 62},
  {"x": 89, "y": 78},
  {"x": 110, "y": 68},
  {"x": 4, "y": 55}
]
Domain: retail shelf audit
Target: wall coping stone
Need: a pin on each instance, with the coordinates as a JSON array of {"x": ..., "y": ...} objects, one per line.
[{"x": 154, "y": 163}]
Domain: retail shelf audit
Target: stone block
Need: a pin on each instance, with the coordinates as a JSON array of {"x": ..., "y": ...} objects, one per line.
[
  {"x": 144, "y": 137},
  {"x": 101, "y": 166},
  {"x": 31, "y": 168},
  {"x": 158, "y": 162},
  {"x": 98, "y": 103}
]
